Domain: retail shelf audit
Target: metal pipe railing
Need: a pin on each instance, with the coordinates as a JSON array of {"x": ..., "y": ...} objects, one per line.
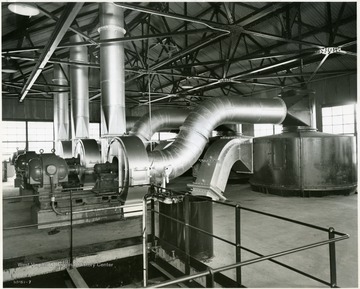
[
  {"x": 238, "y": 265},
  {"x": 251, "y": 261}
]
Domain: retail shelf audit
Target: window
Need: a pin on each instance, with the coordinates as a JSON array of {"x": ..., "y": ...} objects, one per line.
[
  {"x": 266, "y": 129},
  {"x": 94, "y": 130},
  {"x": 41, "y": 135},
  {"x": 339, "y": 119},
  {"x": 13, "y": 137},
  {"x": 163, "y": 136}
]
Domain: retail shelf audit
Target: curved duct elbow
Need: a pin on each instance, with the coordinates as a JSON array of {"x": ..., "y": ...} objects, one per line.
[
  {"x": 160, "y": 119},
  {"x": 79, "y": 88},
  {"x": 197, "y": 128},
  {"x": 130, "y": 122}
]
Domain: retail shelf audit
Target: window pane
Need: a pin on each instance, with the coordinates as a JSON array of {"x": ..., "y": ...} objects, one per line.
[
  {"x": 263, "y": 130},
  {"x": 348, "y": 109},
  {"x": 349, "y": 128},
  {"x": 327, "y": 129},
  {"x": 37, "y": 146},
  {"x": 278, "y": 129},
  {"x": 337, "y": 110},
  {"x": 339, "y": 119},
  {"x": 338, "y": 129},
  {"x": 327, "y": 120},
  {"x": 40, "y": 131},
  {"x": 10, "y": 147},
  {"x": 14, "y": 130},
  {"x": 326, "y": 111},
  {"x": 13, "y": 135},
  {"x": 94, "y": 131},
  {"x": 348, "y": 119},
  {"x": 163, "y": 136}
]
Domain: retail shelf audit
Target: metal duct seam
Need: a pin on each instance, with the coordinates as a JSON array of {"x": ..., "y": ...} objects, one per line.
[
  {"x": 160, "y": 119},
  {"x": 197, "y": 128},
  {"x": 79, "y": 87},
  {"x": 112, "y": 69}
]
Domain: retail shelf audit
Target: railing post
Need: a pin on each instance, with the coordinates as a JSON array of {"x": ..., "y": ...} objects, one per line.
[
  {"x": 332, "y": 257},
  {"x": 210, "y": 278},
  {"x": 187, "y": 234},
  {"x": 238, "y": 241},
  {"x": 144, "y": 244},
  {"x": 152, "y": 216},
  {"x": 71, "y": 232}
]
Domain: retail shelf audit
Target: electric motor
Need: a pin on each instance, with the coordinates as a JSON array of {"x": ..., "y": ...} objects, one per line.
[{"x": 47, "y": 169}]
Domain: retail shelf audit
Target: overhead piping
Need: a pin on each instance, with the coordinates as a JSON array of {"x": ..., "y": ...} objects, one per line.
[
  {"x": 112, "y": 70},
  {"x": 197, "y": 128},
  {"x": 79, "y": 89},
  {"x": 146, "y": 126}
]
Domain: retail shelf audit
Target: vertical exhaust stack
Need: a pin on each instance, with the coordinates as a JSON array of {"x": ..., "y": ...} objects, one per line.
[
  {"x": 112, "y": 70},
  {"x": 61, "y": 108},
  {"x": 79, "y": 89}
]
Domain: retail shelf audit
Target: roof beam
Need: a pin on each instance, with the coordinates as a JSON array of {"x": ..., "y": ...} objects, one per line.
[
  {"x": 267, "y": 10},
  {"x": 67, "y": 17},
  {"x": 113, "y": 40},
  {"x": 56, "y": 19}
]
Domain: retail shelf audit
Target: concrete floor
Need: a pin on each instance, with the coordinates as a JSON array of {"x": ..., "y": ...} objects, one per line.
[
  {"x": 266, "y": 235},
  {"x": 260, "y": 233}
]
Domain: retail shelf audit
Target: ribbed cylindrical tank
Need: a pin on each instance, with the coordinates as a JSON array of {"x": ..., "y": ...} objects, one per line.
[{"x": 303, "y": 162}]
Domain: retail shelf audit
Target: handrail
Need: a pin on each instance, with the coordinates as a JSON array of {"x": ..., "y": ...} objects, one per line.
[
  {"x": 249, "y": 262},
  {"x": 239, "y": 264}
]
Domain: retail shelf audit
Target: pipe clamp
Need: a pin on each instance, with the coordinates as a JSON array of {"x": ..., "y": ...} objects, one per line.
[{"x": 112, "y": 27}]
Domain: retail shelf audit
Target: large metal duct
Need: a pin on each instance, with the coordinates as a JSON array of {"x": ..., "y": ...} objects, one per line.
[
  {"x": 61, "y": 113},
  {"x": 130, "y": 122},
  {"x": 79, "y": 89},
  {"x": 197, "y": 128},
  {"x": 146, "y": 126},
  {"x": 112, "y": 69},
  {"x": 61, "y": 101}
]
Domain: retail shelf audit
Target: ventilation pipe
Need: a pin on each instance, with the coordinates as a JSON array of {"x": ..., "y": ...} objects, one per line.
[
  {"x": 112, "y": 69},
  {"x": 61, "y": 108},
  {"x": 145, "y": 127},
  {"x": 79, "y": 89},
  {"x": 61, "y": 105},
  {"x": 196, "y": 130},
  {"x": 130, "y": 122}
]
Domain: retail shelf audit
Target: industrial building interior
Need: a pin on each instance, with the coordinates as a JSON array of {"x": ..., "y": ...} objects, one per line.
[{"x": 179, "y": 144}]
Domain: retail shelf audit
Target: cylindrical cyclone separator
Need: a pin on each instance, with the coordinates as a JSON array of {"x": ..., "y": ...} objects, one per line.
[
  {"x": 61, "y": 105},
  {"x": 64, "y": 149},
  {"x": 197, "y": 128},
  {"x": 79, "y": 89},
  {"x": 112, "y": 69},
  {"x": 145, "y": 127}
]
